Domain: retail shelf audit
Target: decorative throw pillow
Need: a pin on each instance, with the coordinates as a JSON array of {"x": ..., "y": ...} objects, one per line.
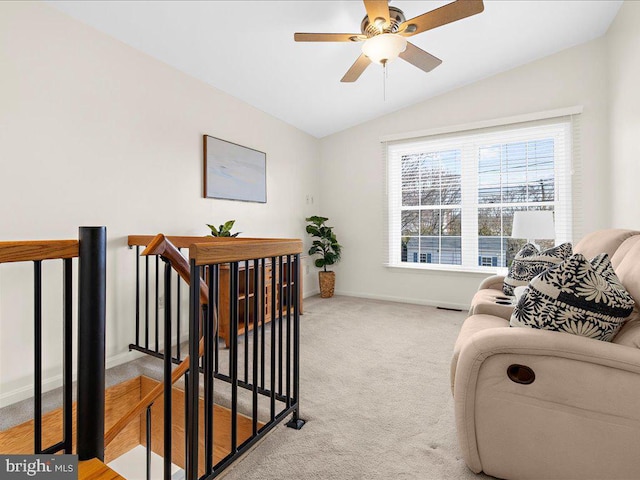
[
  {"x": 529, "y": 262},
  {"x": 580, "y": 297}
]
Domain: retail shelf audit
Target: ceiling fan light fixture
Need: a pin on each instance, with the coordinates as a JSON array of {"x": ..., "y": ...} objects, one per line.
[{"x": 384, "y": 48}]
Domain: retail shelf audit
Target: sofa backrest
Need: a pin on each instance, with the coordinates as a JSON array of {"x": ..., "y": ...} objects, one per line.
[
  {"x": 626, "y": 263},
  {"x": 603, "y": 241}
]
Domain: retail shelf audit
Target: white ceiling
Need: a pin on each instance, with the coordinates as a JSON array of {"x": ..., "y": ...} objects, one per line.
[{"x": 246, "y": 49}]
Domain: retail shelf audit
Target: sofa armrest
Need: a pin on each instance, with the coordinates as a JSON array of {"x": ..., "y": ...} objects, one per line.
[
  {"x": 554, "y": 357},
  {"x": 494, "y": 281}
]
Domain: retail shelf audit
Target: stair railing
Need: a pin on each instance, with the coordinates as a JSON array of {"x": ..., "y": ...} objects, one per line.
[
  {"x": 277, "y": 383},
  {"x": 270, "y": 356},
  {"x": 90, "y": 250}
]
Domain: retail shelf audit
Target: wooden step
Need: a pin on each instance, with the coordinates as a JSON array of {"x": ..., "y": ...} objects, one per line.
[
  {"x": 118, "y": 400},
  {"x": 94, "y": 469}
]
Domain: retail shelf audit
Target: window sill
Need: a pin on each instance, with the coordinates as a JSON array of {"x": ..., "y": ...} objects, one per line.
[{"x": 451, "y": 268}]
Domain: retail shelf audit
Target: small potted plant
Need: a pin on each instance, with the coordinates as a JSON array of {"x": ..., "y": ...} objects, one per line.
[
  {"x": 328, "y": 249},
  {"x": 223, "y": 230}
]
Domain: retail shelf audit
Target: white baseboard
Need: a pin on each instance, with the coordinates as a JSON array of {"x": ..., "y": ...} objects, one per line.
[
  {"x": 23, "y": 393},
  {"x": 414, "y": 301},
  {"x": 311, "y": 293}
]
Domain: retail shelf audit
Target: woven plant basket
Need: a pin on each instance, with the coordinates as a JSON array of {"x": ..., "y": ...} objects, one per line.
[{"x": 327, "y": 283}]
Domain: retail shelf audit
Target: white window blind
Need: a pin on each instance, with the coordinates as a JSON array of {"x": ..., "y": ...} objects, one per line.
[{"x": 451, "y": 197}]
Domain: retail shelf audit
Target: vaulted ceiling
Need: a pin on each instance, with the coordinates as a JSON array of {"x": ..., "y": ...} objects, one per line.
[{"x": 246, "y": 49}]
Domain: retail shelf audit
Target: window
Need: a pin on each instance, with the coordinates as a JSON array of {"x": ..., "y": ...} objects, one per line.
[{"x": 452, "y": 197}]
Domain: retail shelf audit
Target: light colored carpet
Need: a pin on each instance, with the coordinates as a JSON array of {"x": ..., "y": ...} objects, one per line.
[{"x": 374, "y": 391}]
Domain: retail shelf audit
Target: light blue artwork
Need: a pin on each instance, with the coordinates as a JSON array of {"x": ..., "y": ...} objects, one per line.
[{"x": 234, "y": 172}]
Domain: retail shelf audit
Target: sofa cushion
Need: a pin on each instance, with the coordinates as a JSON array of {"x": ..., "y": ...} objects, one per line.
[
  {"x": 628, "y": 271},
  {"x": 529, "y": 262},
  {"x": 623, "y": 250},
  {"x": 603, "y": 241},
  {"x": 580, "y": 297}
]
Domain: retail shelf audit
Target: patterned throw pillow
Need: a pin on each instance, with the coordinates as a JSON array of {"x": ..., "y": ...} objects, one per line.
[
  {"x": 529, "y": 262},
  {"x": 580, "y": 297}
]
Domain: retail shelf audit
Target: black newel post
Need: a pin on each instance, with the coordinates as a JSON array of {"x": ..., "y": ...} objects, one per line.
[{"x": 91, "y": 340}]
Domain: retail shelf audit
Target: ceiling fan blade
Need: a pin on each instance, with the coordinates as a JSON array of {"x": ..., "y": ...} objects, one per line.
[
  {"x": 356, "y": 69},
  {"x": 377, "y": 9},
  {"x": 421, "y": 59},
  {"x": 329, "y": 37},
  {"x": 441, "y": 16}
]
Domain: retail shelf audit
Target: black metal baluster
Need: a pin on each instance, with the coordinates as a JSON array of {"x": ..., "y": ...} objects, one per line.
[
  {"x": 214, "y": 301},
  {"x": 178, "y": 311},
  {"x": 186, "y": 419},
  {"x": 149, "y": 442},
  {"x": 234, "y": 294},
  {"x": 263, "y": 300},
  {"x": 256, "y": 315},
  {"x": 137, "y": 295},
  {"x": 208, "y": 377},
  {"x": 192, "y": 388},
  {"x": 296, "y": 422},
  {"x": 67, "y": 361},
  {"x": 246, "y": 321},
  {"x": 37, "y": 361},
  {"x": 146, "y": 302},
  {"x": 288, "y": 358},
  {"x": 167, "y": 371},
  {"x": 280, "y": 315},
  {"x": 273, "y": 337},
  {"x": 157, "y": 309}
]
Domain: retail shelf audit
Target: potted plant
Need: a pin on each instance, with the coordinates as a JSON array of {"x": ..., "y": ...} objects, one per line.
[
  {"x": 223, "y": 230},
  {"x": 328, "y": 249}
]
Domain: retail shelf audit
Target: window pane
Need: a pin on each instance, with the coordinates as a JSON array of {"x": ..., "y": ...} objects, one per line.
[
  {"x": 409, "y": 249},
  {"x": 430, "y": 222},
  {"x": 489, "y": 222},
  {"x": 451, "y": 222},
  {"x": 451, "y": 251},
  {"x": 430, "y": 180},
  {"x": 489, "y": 194},
  {"x": 430, "y": 249},
  {"x": 410, "y": 222},
  {"x": 410, "y": 180}
]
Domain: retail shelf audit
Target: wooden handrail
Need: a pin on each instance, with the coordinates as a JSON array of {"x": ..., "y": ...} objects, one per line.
[
  {"x": 33, "y": 250},
  {"x": 225, "y": 252},
  {"x": 182, "y": 241},
  {"x": 160, "y": 245}
]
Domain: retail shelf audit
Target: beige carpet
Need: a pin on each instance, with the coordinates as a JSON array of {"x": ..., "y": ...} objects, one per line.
[{"x": 375, "y": 394}]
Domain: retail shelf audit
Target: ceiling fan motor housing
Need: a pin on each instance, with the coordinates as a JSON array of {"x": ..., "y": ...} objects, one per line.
[{"x": 371, "y": 29}]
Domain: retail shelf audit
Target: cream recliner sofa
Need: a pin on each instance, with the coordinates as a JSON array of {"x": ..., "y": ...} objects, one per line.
[{"x": 537, "y": 404}]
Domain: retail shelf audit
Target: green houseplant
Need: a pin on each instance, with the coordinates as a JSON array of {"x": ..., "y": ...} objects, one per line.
[
  {"x": 223, "y": 230},
  {"x": 326, "y": 246}
]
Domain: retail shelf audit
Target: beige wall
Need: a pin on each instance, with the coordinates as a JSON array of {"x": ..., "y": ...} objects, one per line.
[
  {"x": 623, "y": 40},
  {"x": 352, "y": 186},
  {"x": 93, "y": 132}
]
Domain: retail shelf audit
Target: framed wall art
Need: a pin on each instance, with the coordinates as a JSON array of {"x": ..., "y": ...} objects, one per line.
[{"x": 234, "y": 172}]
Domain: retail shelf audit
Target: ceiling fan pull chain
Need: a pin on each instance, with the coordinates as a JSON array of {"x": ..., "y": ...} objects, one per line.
[{"x": 384, "y": 82}]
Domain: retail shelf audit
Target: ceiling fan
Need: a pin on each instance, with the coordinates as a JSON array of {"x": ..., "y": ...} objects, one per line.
[{"x": 384, "y": 29}]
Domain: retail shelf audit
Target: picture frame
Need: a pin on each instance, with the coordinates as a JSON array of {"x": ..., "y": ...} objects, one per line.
[{"x": 234, "y": 172}]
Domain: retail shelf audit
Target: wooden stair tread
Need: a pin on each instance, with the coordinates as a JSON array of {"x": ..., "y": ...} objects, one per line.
[{"x": 94, "y": 469}]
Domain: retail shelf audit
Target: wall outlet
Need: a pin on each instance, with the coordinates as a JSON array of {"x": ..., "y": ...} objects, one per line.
[
  {"x": 161, "y": 301},
  {"x": 306, "y": 269}
]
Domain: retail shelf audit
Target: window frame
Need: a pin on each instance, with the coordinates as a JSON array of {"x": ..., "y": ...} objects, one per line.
[{"x": 469, "y": 143}]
